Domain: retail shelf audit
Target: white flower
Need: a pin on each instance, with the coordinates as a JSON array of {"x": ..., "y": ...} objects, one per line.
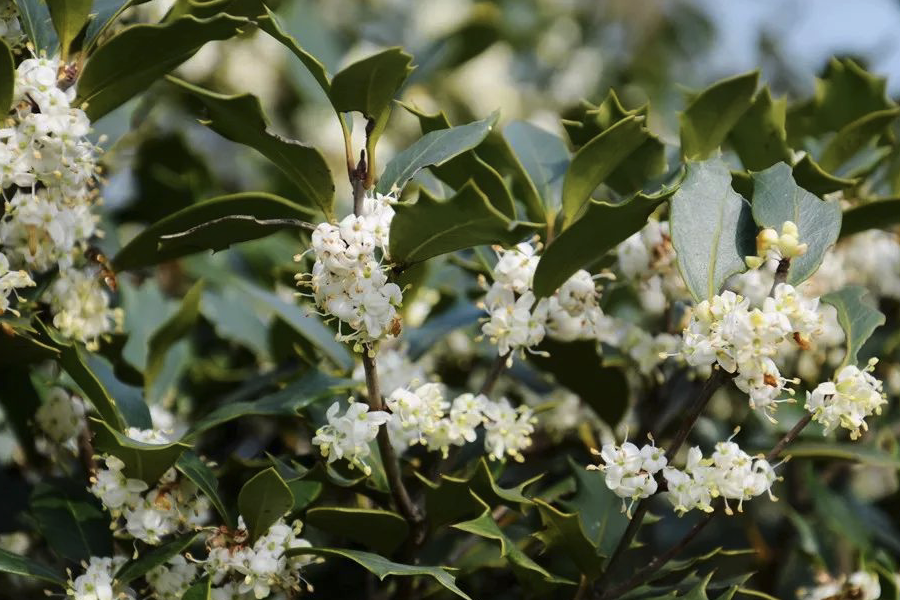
[
  {"x": 96, "y": 583},
  {"x": 418, "y": 412},
  {"x": 114, "y": 489},
  {"x": 61, "y": 416},
  {"x": 10, "y": 281},
  {"x": 508, "y": 430},
  {"x": 846, "y": 402},
  {"x": 171, "y": 580},
  {"x": 349, "y": 435}
]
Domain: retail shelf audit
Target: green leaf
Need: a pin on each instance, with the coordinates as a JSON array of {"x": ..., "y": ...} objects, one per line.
[
  {"x": 71, "y": 520},
  {"x": 759, "y": 136},
  {"x": 369, "y": 85},
  {"x": 857, "y": 317},
  {"x": 434, "y": 148},
  {"x": 599, "y": 509},
  {"x": 430, "y": 227},
  {"x": 544, "y": 157},
  {"x": 810, "y": 176},
  {"x": 712, "y": 229},
  {"x": 777, "y": 198},
  {"x": 599, "y": 230},
  {"x": 103, "y": 14},
  {"x": 851, "y": 138},
  {"x": 7, "y": 77},
  {"x": 240, "y": 118},
  {"x": 175, "y": 328},
  {"x": 146, "y": 249},
  {"x": 21, "y": 565},
  {"x": 199, "y": 591},
  {"x": 191, "y": 466},
  {"x": 866, "y": 455},
  {"x": 713, "y": 113},
  {"x": 304, "y": 492},
  {"x": 380, "y": 530},
  {"x": 564, "y": 532},
  {"x": 263, "y": 500},
  {"x": 596, "y": 160},
  {"x": 69, "y": 17},
  {"x": 220, "y": 234},
  {"x": 19, "y": 347},
  {"x": 271, "y": 24},
  {"x": 875, "y": 214},
  {"x": 38, "y": 26},
  {"x": 147, "y": 462},
  {"x": 122, "y": 67},
  {"x": 153, "y": 558},
  {"x": 382, "y": 567},
  {"x": 19, "y": 401}
]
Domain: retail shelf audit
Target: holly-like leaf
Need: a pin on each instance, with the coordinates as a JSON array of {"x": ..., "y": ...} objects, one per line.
[
  {"x": 271, "y": 24},
  {"x": 147, "y": 462},
  {"x": 382, "y": 531},
  {"x": 777, "y": 198},
  {"x": 71, "y": 520},
  {"x": 713, "y": 113},
  {"x": 810, "y": 176},
  {"x": 369, "y": 85},
  {"x": 430, "y": 227},
  {"x": 544, "y": 157},
  {"x": 191, "y": 466},
  {"x": 854, "y": 136},
  {"x": 122, "y": 67},
  {"x": 153, "y": 558},
  {"x": 147, "y": 248},
  {"x": 759, "y": 136},
  {"x": 37, "y": 25},
  {"x": 69, "y": 17},
  {"x": 263, "y": 500},
  {"x": 382, "y": 567},
  {"x": 599, "y": 230},
  {"x": 564, "y": 532},
  {"x": 857, "y": 317},
  {"x": 433, "y": 149},
  {"x": 875, "y": 214},
  {"x": 712, "y": 228},
  {"x": 599, "y": 509},
  {"x": 7, "y": 77},
  {"x": 21, "y": 565},
  {"x": 175, "y": 328},
  {"x": 240, "y": 118}
]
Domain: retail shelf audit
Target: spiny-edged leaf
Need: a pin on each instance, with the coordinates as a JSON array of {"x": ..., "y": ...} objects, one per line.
[
  {"x": 153, "y": 558},
  {"x": 145, "y": 249},
  {"x": 71, "y": 520},
  {"x": 845, "y": 451},
  {"x": 285, "y": 402},
  {"x": 852, "y": 137},
  {"x": 596, "y": 160},
  {"x": 434, "y": 148},
  {"x": 202, "y": 590},
  {"x": 143, "y": 461},
  {"x": 544, "y": 157},
  {"x": 222, "y": 233},
  {"x": 37, "y": 25},
  {"x": 598, "y": 508},
  {"x": 192, "y": 466},
  {"x": 240, "y": 118},
  {"x": 777, "y": 198},
  {"x": 263, "y": 500},
  {"x": 497, "y": 152},
  {"x": 382, "y": 567},
  {"x": 271, "y": 24},
  {"x": 430, "y": 227},
  {"x": 857, "y": 317},
  {"x": 599, "y": 230},
  {"x": 875, "y": 214},
  {"x": 175, "y": 328},
  {"x": 563, "y": 532},
  {"x": 7, "y": 77},
  {"x": 714, "y": 112},
  {"x": 382, "y": 531},
  {"x": 122, "y": 67},
  {"x": 21, "y": 565},
  {"x": 712, "y": 228},
  {"x": 369, "y": 85},
  {"x": 69, "y": 17},
  {"x": 810, "y": 176},
  {"x": 759, "y": 136},
  {"x": 103, "y": 14}
]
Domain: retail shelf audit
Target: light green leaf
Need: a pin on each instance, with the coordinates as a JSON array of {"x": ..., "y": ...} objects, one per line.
[
  {"x": 199, "y": 591},
  {"x": 191, "y": 466},
  {"x": 596, "y": 160},
  {"x": 147, "y": 462},
  {"x": 263, "y": 500},
  {"x": 712, "y": 228},
  {"x": 599, "y": 230},
  {"x": 713, "y": 113},
  {"x": 175, "y": 328},
  {"x": 380, "y": 530},
  {"x": 69, "y": 17},
  {"x": 434, "y": 148},
  {"x": 565, "y": 533},
  {"x": 544, "y": 157},
  {"x": 147, "y": 249},
  {"x": 153, "y": 558},
  {"x": 122, "y": 67},
  {"x": 875, "y": 214},
  {"x": 241, "y": 119},
  {"x": 430, "y": 227},
  {"x": 866, "y": 455},
  {"x": 777, "y": 198},
  {"x": 759, "y": 136},
  {"x": 37, "y": 25},
  {"x": 854, "y": 136},
  {"x": 21, "y": 565},
  {"x": 369, "y": 85},
  {"x": 7, "y": 77},
  {"x": 382, "y": 567},
  {"x": 857, "y": 317}
]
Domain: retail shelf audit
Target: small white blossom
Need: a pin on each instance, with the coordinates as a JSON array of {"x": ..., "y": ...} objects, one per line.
[
  {"x": 846, "y": 402},
  {"x": 507, "y": 430},
  {"x": 348, "y": 435}
]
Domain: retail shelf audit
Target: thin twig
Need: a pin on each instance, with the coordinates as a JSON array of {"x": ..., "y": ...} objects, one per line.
[
  {"x": 494, "y": 374},
  {"x": 358, "y": 181},
  {"x": 789, "y": 437},
  {"x": 781, "y": 273}
]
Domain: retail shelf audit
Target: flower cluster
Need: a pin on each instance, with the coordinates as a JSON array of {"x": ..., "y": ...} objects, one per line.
[
  {"x": 48, "y": 175},
  {"x": 171, "y": 580},
  {"x": 846, "y": 402},
  {"x": 348, "y": 279},
  {"x": 97, "y": 582},
  {"x": 10, "y": 28},
  {"x": 61, "y": 417},
  {"x": 149, "y": 514},
  {"x": 240, "y": 570},
  {"x": 630, "y": 472},
  {"x": 861, "y": 585},
  {"x": 348, "y": 435},
  {"x": 770, "y": 245},
  {"x": 648, "y": 259}
]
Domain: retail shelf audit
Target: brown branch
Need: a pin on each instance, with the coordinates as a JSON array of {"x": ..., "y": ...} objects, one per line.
[{"x": 494, "y": 374}]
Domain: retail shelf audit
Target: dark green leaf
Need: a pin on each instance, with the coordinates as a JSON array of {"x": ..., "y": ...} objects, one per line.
[
  {"x": 21, "y": 565},
  {"x": 103, "y": 14},
  {"x": 564, "y": 532},
  {"x": 544, "y": 157},
  {"x": 146, "y": 249},
  {"x": 199, "y": 591},
  {"x": 382, "y": 567},
  {"x": 777, "y": 198},
  {"x": 434, "y": 148},
  {"x": 599, "y": 509},
  {"x": 129, "y": 399},
  {"x": 860, "y": 453},
  {"x": 712, "y": 228},
  {"x": 69, "y": 17},
  {"x": 175, "y": 328},
  {"x": 71, "y": 521},
  {"x": 851, "y": 138},
  {"x": 304, "y": 492},
  {"x": 220, "y": 234},
  {"x": 192, "y": 466},
  {"x": 19, "y": 346},
  {"x": 153, "y": 558},
  {"x": 263, "y": 500},
  {"x": 875, "y": 214},
  {"x": 713, "y": 113},
  {"x": 810, "y": 176},
  {"x": 7, "y": 77},
  {"x": 122, "y": 67},
  {"x": 19, "y": 402},
  {"x": 369, "y": 85},
  {"x": 147, "y": 462},
  {"x": 857, "y": 317},
  {"x": 759, "y": 136},
  {"x": 37, "y": 25},
  {"x": 380, "y": 530},
  {"x": 272, "y": 25}
]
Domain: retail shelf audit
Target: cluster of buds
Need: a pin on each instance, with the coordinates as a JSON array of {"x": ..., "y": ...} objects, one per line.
[{"x": 772, "y": 245}]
